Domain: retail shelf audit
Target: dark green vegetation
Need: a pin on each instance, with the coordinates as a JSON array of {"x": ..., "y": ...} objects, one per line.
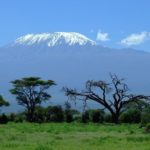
[
  {"x": 73, "y": 136},
  {"x": 3, "y": 102}
]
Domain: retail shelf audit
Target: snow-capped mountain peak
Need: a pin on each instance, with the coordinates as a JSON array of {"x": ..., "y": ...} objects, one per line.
[{"x": 54, "y": 39}]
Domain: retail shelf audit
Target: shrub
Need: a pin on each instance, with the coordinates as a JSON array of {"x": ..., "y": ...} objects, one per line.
[
  {"x": 145, "y": 118},
  {"x": 93, "y": 115},
  {"x": 12, "y": 117},
  {"x": 108, "y": 118},
  {"x": 68, "y": 116},
  {"x": 97, "y": 116},
  {"x": 131, "y": 116},
  {"x": 3, "y": 119},
  {"x": 85, "y": 117},
  {"x": 55, "y": 114},
  {"x": 69, "y": 113},
  {"x": 18, "y": 119},
  {"x": 40, "y": 114},
  {"x": 147, "y": 128}
]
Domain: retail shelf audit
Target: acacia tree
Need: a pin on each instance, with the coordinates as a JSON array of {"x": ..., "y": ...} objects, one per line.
[
  {"x": 112, "y": 96},
  {"x": 30, "y": 92}
]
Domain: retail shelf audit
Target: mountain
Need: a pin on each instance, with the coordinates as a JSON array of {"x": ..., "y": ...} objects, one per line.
[{"x": 70, "y": 59}]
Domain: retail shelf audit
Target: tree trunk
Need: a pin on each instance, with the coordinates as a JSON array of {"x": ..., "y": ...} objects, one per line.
[
  {"x": 115, "y": 118},
  {"x": 30, "y": 115}
]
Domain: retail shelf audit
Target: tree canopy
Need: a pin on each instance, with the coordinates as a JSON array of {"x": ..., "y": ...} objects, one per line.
[{"x": 3, "y": 102}]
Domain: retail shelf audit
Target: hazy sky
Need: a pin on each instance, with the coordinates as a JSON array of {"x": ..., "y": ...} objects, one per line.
[{"x": 114, "y": 23}]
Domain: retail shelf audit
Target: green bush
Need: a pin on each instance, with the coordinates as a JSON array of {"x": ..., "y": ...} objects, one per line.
[
  {"x": 108, "y": 118},
  {"x": 12, "y": 117},
  {"x": 85, "y": 117},
  {"x": 92, "y": 115},
  {"x": 131, "y": 116},
  {"x": 18, "y": 119},
  {"x": 97, "y": 116},
  {"x": 55, "y": 114},
  {"x": 145, "y": 118},
  {"x": 40, "y": 114},
  {"x": 68, "y": 116},
  {"x": 147, "y": 128},
  {"x": 3, "y": 119}
]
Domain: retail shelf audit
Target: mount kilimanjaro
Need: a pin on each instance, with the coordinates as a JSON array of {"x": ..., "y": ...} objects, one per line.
[{"x": 70, "y": 59}]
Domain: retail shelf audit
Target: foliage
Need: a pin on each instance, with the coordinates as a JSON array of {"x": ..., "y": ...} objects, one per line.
[
  {"x": 97, "y": 116},
  {"x": 55, "y": 114},
  {"x": 93, "y": 115},
  {"x": 69, "y": 113},
  {"x": 147, "y": 128},
  {"x": 17, "y": 117},
  {"x": 12, "y": 117},
  {"x": 3, "y": 119},
  {"x": 40, "y": 114},
  {"x": 85, "y": 117},
  {"x": 131, "y": 116},
  {"x": 145, "y": 119},
  {"x": 3, "y": 102},
  {"x": 108, "y": 118}
]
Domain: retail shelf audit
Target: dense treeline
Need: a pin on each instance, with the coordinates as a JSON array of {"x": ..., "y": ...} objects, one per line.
[
  {"x": 59, "y": 113},
  {"x": 123, "y": 107}
]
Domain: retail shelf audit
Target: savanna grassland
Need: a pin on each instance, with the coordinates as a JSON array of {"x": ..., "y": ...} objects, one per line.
[{"x": 73, "y": 136}]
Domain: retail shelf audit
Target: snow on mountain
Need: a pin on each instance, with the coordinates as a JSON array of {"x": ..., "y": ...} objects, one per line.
[{"x": 54, "y": 39}]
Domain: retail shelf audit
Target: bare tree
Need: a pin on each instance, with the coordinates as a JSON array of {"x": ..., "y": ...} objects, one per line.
[{"x": 112, "y": 96}]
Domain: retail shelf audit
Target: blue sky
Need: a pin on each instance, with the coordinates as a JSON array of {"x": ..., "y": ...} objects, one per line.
[{"x": 113, "y": 23}]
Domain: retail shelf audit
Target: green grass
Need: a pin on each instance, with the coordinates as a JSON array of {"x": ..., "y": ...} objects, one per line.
[{"x": 74, "y": 136}]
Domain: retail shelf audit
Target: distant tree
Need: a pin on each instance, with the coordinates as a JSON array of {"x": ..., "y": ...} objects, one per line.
[
  {"x": 30, "y": 92},
  {"x": 112, "y": 96},
  {"x": 17, "y": 117},
  {"x": 3, "y": 102},
  {"x": 85, "y": 116},
  {"x": 3, "y": 119},
  {"x": 12, "y": 117},
  {"x": 68, "y": 112},
  {"x": 145, "y": 118}
]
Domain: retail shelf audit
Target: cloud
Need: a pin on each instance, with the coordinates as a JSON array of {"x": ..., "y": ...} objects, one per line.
[
  {"x": 135, "y": 39},
  {"x": 101, "y": 36}
]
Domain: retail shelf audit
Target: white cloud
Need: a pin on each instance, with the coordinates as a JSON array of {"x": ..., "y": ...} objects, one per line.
[
  {"x": 101, "y": 36},
  {"x": 135, "y": 39}
]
